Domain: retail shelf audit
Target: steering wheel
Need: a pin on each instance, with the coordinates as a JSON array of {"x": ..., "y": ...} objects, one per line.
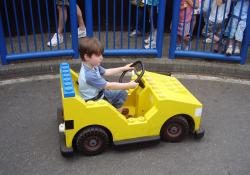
[{"x": 138, "y": 72}]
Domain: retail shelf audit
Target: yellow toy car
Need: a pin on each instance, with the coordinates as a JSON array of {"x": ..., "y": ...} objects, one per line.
[{"x": 159, "y": 108}]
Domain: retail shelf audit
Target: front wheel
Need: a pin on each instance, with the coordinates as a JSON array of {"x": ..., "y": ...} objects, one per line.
[
  {"x": 175, "y": 129},
  {"x": 92, "y": 141}
]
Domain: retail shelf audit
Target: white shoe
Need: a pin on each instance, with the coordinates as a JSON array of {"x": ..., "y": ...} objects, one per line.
[
  {"x": 153, "y": 45},
  {"x": 54, "y": 40},
  {"x": 229, "y": 50},
  {"x": 147, "y": 41},
  {"x": 81, "y": 33},
  {"x": 208, "y": 40},
  {"x": 133, "y": 33},
  {"x": 237, "y": 50}
]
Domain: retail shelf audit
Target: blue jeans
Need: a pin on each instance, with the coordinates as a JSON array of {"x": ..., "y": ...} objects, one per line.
[
  {"x": 235, "y": 29},
  {"x": 115, "y": 97}
]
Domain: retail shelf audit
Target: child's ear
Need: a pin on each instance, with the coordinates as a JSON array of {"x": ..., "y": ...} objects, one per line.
[{"x": 86, "y": 57}]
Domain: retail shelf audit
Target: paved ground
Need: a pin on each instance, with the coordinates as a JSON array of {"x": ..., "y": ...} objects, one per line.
[{"x": 29, "y": 138}]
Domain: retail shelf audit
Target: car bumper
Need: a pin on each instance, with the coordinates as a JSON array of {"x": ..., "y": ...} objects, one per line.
[
  {"x": 199, "y": 133},
  {"x": 65, "y": 151}
]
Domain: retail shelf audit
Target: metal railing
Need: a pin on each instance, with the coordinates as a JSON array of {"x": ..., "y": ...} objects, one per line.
[
  {"x": 32, "y": 43},
  {"x": 23, "y": 40}
]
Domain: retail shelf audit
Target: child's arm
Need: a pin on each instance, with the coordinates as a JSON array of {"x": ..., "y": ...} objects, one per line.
[
  {"x": 120, "y": 86},
  {"x": 117, "y": 70}
]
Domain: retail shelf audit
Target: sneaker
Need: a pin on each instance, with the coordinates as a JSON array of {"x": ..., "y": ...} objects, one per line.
[
  {"x": 147, "y": 41},
  {"x": 54, "y": 40},
  {"x": 208, "y": 40},
  {"x": 153, "y": 45},
  {"x": 133, "y": 33},
  {"x": 81, "y": 33},
  {"x": 229, "y": 50},
  {"x": 237, "y": 50},
  {"x": 178, "y": 47}
]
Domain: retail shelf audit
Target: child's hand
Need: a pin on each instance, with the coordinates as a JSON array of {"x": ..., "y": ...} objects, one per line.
[
  {"x": 127, "y": 67},
  {"x": 132, "y": 84}
]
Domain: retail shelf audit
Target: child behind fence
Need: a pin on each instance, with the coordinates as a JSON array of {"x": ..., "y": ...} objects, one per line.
[
  {"x": 236, "y": 26},
  {"x": 185, "y": 16},
  {"x": 218, "y": 14}
]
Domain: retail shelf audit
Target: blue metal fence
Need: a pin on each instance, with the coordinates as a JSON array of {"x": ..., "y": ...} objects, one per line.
[
  {"x": 216, "y": 40},
  {"x": 32, "y": 44},
  {"x": 115, "y": 33},
  {"x": 29, "y": 24}
]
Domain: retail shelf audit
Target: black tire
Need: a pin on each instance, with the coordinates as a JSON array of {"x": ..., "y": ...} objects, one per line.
[
  {"x": 92, "y": 141},
  {"x": 175, "y": 129}
]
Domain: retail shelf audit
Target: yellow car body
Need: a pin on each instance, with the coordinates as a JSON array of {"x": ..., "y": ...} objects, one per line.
[{"x": 162, "y": 98}]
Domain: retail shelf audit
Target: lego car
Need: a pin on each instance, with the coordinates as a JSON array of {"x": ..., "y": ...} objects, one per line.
[{"x": 160, "y": 108}]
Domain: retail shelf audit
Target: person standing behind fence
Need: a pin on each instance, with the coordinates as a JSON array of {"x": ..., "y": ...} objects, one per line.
[
  {"x": 152, "y": 11},
  {"x": 196, "y": 12},
  {"x": 81, "y": 29},
  {"x": 236, "y": 26},
  {"x": 218, "y": 15},
  {"x": 138, "y": 4},
  {"x": 185, "y": 16}
]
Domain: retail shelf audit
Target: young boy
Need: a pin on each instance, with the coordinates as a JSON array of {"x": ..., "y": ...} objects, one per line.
[{"x": 92, "y": 86}]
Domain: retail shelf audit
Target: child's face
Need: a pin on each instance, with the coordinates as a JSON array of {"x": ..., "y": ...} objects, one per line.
[{"x": 95, "y": 60}]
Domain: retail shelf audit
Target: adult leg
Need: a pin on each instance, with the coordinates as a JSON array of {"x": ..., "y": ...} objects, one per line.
[
  {"x": 60, "y": 18},
  {"x": 80, "y": 19}
]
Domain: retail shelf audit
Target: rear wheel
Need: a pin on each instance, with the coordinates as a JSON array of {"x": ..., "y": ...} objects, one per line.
[
  {"x": 175, "y": 129},
  {"x": 92, "y": 141}
]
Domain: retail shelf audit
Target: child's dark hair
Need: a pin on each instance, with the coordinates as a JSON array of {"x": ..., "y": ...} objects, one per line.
[{"x": 90, "y": 46}]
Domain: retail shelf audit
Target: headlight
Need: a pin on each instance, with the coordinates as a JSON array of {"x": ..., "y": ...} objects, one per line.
[
  {"x": 198, "y": 112},
  {"x": 62, "y": 127}
]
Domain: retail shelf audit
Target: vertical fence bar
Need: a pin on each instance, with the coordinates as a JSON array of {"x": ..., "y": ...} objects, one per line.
[
  {"x": 64, "y": 26},
  {"x": 199, "y": 26},
  {"x": 89, "y": 17},
  {"x": 151, "y": 12},
  {"x": 214, "y": 28},
  {"x": 3, "y": 49},
  {"x": 239, "y": 19},
  {"x": 25, "y": 29},
  {"x": 207, "y": 20},
  {"x": 183, "y": 28},
  {"x": 175, "y": 19},
  {"x": 129, "y": 16},
  {"x": 16, "y": 22},
  {"x": 121, "y": 34},
  {"x": 107, "y": 24},
  {"x": 8, "y": 24},
  {"x": 48, "y": 23},
  {"x": 40, "y": 23},
  {"x": 144, "y": 23},
  {"x": 191, "y": 25},
  {"x": 73, "y": 26},
  {"x": 114, "y": 20},
  {"x": 222, "y": 26},
  {"x": 160, "y": 27},
  {"x": 55, "y": 15},
  {"x": 136, "y": 23},
  {"x": 99, "y": 20},
  {"x": 32, "y": 23},
  {"x": 246, "y": 39}
]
